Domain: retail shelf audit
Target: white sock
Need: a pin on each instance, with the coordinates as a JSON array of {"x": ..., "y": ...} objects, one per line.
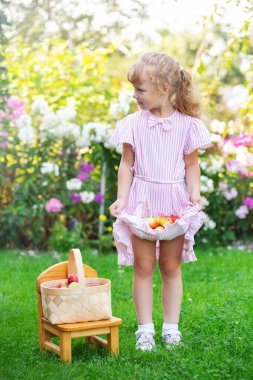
[
  {"x": 148, "y": 327},
  {"x": 167, "y": 326}
]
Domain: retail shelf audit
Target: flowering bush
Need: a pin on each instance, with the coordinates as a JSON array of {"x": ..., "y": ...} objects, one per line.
[
  {"x": 226, "y": 184},
  {"x": 47, "y": 174},
  {"x": 51, "y": 174}
]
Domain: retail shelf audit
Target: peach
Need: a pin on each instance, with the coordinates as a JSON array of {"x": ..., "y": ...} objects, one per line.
[
  {"x": 153, "y": 223},
  {"x": 163, "y": 220},
  {"x": 160, "y": 228}
]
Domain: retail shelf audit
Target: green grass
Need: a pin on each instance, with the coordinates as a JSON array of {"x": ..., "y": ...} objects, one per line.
[{"x": 215, "y": 321}]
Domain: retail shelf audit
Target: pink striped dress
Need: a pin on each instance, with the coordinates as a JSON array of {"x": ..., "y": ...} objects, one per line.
[{"x": 158, "y": 182}]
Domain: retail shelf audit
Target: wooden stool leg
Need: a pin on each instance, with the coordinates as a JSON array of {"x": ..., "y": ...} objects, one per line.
[
  {"x": 65, "y": 347},
  {"x": 113, "y": 340}
]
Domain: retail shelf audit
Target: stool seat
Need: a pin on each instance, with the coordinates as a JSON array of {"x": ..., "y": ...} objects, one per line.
[{"x": 85, "y": 325}]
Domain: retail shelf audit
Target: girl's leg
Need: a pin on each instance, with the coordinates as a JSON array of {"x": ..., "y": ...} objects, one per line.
[
  {"x": 172, "y": 288},
  {"x": 144, "y": 266}
]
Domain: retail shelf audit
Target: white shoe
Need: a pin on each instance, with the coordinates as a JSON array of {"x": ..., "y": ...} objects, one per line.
[
  {"x": 171, "y": 338},
  {"x": 145, "y": 341}
]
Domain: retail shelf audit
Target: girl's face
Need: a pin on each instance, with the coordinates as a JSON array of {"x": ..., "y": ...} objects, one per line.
[{"x": 147, "y": 94}]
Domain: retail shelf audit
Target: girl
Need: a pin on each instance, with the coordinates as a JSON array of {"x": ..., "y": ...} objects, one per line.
[{"x": 159, "y": 169}]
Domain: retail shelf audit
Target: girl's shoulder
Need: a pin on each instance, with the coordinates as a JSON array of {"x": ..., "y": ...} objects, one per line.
[
  {"x": 134, "y": 116},
  {"x": 131, "y": 119}
]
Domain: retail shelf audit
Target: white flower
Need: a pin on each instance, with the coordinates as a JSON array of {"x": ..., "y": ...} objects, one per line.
[
  {"x": 125, "y": 98},
  {"x": 68, "y": 130},
  {"x": 66, "y": 114},
  {"x": 205, "y": 201},
  {"x": 206, "y": 184},
  {"x": 217, "y": 126},
  {"x": 215, "y": 166},
  {"x": 97, "y": 132},
  {"x": 203, "y": 165},
  {"x": 235, "y": 96},
  {"x": 114, "y": 109},
  {"x": 230, "y": 194},
  {"x": 229, "y": 148},
  {"x": 123, "y": 105},
  {"x": 39, "y": 105},
  {"x": 242, "y": 212},
  {"x": 87, "y": 196},
  {"x": 49, "y": 167},
  {"x": 26, "y": 134},
  {"x": 242, "y": 154},
  {"x": 24, "y": 121},
  {"x": 217, "y": 139},
  {"x": 50, "y": 121},
  {"x": 71, "y": 102},
  {"x": 74, "y": 184},
  {"x": 209, "y": 224}
]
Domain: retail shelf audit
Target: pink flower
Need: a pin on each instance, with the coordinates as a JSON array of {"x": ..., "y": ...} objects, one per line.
[
  {"x": 235, "y": 166},
  {"x": 83, "y": 176},
  {"x": 75, "y": 197},
  {"x": 230, "y": 194},
  {"x": 248, "y": 202},
  {"x": 98, "y": 198},
  {"x": 16, "y": 108},
  {"x": 243, "y": 139},
  {"x": 87, "y": 168},
  {"x": 4, "y": 143},
  {"x": 53, "y": 205},
  {"x": 223, "y": 186},
  {"x": 242, "y": 212},
  {"x": 248, "y": 174}
]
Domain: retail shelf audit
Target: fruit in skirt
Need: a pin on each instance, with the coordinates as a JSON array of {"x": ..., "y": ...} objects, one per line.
[{"x": 159, "y": 221}]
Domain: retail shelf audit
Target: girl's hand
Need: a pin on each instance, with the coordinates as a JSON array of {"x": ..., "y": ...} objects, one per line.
[
  {"x": 195, "y": 198},
  {"x": 117, "y": 207}
]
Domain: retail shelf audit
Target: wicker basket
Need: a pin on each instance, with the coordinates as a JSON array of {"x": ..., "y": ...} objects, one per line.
[{"x": 70, "y": 305}]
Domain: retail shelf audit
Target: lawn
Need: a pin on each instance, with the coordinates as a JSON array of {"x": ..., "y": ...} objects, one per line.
[{"x": 216, "y": 322}]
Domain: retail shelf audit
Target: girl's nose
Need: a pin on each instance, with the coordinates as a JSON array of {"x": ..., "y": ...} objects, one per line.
[{"x": 135, "y": 96}]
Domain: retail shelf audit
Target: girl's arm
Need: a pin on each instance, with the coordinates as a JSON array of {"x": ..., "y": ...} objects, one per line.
[
  {"x": 192, "y": 176},
  {"x": 125, "y": 176}
]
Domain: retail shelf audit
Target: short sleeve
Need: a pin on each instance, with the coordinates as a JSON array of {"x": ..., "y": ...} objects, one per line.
[
  {"x": 123, "y": 132},
  {"x": 198, "y": 137}
]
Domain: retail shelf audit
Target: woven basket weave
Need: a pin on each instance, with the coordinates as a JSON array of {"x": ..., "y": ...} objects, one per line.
[{"x": 81, "y": 304}]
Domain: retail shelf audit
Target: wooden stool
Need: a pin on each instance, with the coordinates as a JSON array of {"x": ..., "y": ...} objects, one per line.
[{"x": 67, "y": 331}]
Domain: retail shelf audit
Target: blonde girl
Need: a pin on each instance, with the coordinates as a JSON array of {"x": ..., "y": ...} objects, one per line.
[{"x": 159, "y": 169}]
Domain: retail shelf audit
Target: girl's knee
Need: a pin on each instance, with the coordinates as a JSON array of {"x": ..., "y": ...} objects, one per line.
[
  {"x": 144, "y": 268},
  {"x": 170, "y": 269}
]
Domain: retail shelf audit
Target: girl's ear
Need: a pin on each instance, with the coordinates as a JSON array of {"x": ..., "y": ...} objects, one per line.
[{"x": 166, "y": 87}]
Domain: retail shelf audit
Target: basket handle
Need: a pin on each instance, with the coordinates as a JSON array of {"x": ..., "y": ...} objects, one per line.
[{"x": 75, "y": 264}]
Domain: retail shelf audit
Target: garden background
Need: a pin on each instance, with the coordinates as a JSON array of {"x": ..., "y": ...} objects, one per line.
[{"x": 63, "y": 87}]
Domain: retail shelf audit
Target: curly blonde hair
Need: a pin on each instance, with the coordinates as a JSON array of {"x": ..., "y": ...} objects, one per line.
[{"x": 162, "y": 68}]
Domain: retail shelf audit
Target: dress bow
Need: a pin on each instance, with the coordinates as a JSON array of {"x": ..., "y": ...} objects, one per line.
[{"x": 164, "y": 122}]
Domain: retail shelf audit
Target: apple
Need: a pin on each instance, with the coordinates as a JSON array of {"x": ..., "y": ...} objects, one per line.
[
  {"x": 74, "y": 285},
  {"x": 153, "y": 223},
  {"x": 59, "y": 285},
  {"x": 174, "y": 218},
  {"x": 73, "y": 278}
]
